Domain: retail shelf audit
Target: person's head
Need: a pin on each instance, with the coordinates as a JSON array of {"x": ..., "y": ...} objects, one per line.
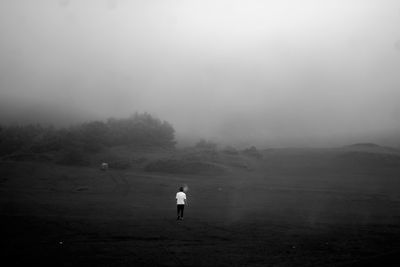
[{"x": 181, "y": 189}]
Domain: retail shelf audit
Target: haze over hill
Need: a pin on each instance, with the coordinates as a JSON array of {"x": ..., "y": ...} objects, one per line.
[{"x": 269, "y": 73}]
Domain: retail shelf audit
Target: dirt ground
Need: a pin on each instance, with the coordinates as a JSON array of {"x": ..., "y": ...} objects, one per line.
[{"x": 72, "y": 216}]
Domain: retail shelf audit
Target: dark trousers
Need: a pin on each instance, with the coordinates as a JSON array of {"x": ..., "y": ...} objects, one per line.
[{"x": 179, "y": 209}]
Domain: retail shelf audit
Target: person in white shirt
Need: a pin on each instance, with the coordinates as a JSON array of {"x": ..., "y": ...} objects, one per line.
[{"x": 180, "y": 203}]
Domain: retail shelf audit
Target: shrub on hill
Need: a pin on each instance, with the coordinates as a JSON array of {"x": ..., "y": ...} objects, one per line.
[
  {"x": 252, "y": 152},
  {"x": 206, "y": 145}
]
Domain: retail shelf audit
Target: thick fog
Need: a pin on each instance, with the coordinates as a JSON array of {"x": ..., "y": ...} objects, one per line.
[{"x": 270, "y": 73}]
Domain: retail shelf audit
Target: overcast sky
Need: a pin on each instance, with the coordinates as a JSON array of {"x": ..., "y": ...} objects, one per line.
[{"x": 270, "y": 72}]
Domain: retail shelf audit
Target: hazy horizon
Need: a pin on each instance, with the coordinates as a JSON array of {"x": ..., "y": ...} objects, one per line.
[{"x": 270, "y": 73}]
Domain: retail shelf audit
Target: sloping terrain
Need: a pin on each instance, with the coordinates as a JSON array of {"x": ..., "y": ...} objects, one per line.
[{"x": 292, "y": 207}]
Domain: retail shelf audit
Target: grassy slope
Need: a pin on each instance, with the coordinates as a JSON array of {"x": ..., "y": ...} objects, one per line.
[{"x": 292, "y": 208}]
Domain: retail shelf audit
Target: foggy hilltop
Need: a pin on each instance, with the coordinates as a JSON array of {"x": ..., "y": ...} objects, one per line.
[{"x": 268, "y": 73}]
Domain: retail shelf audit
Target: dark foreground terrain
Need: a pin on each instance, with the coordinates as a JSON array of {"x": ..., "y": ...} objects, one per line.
[{"x": 290, "y": 208}]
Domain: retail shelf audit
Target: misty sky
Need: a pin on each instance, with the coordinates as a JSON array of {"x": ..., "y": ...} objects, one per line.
[{"x": 271, "y": 72}]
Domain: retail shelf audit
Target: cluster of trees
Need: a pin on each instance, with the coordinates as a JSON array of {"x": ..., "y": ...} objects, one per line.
[{"x": 139, "y": 130}]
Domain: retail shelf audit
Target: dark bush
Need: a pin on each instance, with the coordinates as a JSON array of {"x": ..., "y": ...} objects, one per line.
[
  {"x": 140, "y": 130},
  {"x": 206, "y": 145}
]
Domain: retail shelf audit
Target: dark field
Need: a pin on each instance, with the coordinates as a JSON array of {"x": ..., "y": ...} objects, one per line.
[{"x": 291, "y": 208}]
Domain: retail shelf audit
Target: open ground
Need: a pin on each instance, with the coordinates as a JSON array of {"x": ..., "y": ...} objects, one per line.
[{"x": 292, "y": 207}]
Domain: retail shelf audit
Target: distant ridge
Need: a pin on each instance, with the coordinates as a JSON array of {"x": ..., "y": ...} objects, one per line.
[
  {"x": 371, "y": 148},
  {"x": 367, "y": 145}
]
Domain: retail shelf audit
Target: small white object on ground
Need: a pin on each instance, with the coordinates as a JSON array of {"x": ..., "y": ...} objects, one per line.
[{"x": 104, "y": 166}]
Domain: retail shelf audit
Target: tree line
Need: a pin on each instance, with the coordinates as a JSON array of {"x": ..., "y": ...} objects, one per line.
[{"x": 138, "y": 130}]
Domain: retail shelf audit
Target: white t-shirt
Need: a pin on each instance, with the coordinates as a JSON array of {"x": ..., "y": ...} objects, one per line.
[{"x": 180, "y": 198}]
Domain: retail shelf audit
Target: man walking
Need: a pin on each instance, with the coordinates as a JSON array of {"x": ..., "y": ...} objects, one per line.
[{"x": 180, "y": 203}]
